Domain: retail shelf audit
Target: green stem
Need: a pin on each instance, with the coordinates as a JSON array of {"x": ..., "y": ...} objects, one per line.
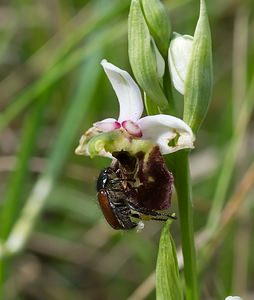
[{"x": 184, "y": 194}]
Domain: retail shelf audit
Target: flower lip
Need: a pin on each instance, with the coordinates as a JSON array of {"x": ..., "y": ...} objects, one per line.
[
  {"x": 128, "y": 195},
  {"x": 153, "y": 181}
]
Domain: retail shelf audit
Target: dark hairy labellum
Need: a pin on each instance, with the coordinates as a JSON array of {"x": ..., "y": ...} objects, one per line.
[{"x": 135, "y": 188}]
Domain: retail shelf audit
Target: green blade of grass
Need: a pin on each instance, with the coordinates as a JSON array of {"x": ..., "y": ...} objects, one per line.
[
  {"x": 229, "y": 162},
  {"x": 108, "y": 36},
  {"x": 87, "y": 21},
  {"x": 14, "y": 193},
  {"x": 63, "y": 145},
  {"x": 13, "y": 197}
]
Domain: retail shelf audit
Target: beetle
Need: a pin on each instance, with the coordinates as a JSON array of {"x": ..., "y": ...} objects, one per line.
[
  {"x": 111, "y": 194},
  {"x": 119, "y": 200}
]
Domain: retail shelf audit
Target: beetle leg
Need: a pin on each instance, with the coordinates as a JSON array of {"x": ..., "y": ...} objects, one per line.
[
  {"x": 159, "y": 218},
  {"x": 155, "y": 215}
]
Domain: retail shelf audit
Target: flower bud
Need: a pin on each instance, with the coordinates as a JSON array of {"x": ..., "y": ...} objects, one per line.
[
  {"x": 179, "y": 55},
  {"x": 158, "y": 22},
  {"x": 145, "y": 59},
  {"x": 198, "y": 83}
]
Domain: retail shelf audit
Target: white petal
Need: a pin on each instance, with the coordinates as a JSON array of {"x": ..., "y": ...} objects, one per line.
[
  {"x": 159, "y": 61},
  {"x": 179, "y": 55},
  {"x": 107, "y": 125},
  {"x": 233, "y": 298},
  {"x": 127, "y": 91},
  {"x": 164, "y": 128}
]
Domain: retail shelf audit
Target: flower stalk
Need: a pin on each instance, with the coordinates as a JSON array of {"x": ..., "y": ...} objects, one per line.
[{"x": 184, "y": 194}]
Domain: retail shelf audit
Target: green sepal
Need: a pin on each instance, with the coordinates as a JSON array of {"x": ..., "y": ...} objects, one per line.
[
  {"x": 151, "y": 107},
  {"x": 142, "y": 56},
  {"x": 199, "y": 78},
  {"x": 157, "y": 20},
  {"x": 168, "y": 286}
]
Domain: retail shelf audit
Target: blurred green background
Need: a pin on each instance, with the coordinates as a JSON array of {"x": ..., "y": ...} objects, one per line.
[{"x": 52, "y": 88}]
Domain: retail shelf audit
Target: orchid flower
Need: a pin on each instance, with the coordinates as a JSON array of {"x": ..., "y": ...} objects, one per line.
[
  {"x": 233, "y": 298},
  {"x": 130, "y": 130}
]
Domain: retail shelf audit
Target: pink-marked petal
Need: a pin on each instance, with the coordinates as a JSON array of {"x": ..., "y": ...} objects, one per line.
[
  {"x": 127, "y": 91},
  {"x": 164, "y": 128},
  {"x": 132, "y": 128},
  {"x": 107, "y": 125}
]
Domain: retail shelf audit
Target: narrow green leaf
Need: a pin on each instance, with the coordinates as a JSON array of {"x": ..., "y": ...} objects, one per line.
[
  {"x": 198, "y": 84},
  {"x": 167, "y": 274},
  {"x": 158, "y": 22},
  {"x": 79, "y": 108},
  {"x": 142, "y": 56},
  {"x": 63, "y": 145},
  {"x": 50, "y": 77},
  {"x": 14, "y": 192}
]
